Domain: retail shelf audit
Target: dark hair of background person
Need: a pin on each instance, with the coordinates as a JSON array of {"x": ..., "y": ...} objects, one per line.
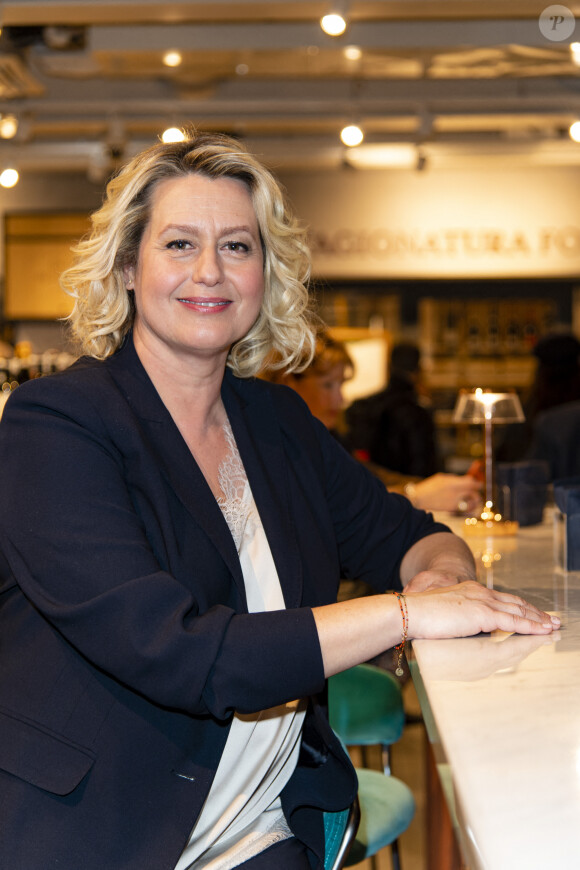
[
  {"x": 405, "y": 359},
  {"x": 556, "y": 381},
  {"x": 392, "y": 428}
]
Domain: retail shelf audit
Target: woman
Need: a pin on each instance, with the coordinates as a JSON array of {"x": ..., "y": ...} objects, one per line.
[
  {"x": 174, "y": 532},
  {"x": 320, "y": 385}
]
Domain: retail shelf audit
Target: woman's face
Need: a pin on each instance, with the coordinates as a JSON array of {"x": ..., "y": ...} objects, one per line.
[
  {"x": 322, "y": 393},
  {"x": 199, "y": 279}
]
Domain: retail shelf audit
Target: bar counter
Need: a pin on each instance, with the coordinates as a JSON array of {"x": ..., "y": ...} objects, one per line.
[{"x": 502, "y": 714}]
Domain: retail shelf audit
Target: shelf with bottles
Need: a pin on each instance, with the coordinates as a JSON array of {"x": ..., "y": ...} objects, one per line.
[
  {"x": 469, "y": 343},
  {"x": 483, "y": 328},
  {"x": 24, "y": 364},
  {"x": 355, "y": 309}
]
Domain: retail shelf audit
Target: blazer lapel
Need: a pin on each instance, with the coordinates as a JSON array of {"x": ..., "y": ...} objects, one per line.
[
  {"x": 258, "y": 437},
  {"x": 173, "y": 455},
  {"x": 257, "y": 433}
]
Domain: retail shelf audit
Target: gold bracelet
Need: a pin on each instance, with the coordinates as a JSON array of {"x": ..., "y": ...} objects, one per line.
[{"x": 401, "y": 646}]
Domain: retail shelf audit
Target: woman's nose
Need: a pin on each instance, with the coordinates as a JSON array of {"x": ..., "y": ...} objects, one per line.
[{"x": 207, "y": 267}]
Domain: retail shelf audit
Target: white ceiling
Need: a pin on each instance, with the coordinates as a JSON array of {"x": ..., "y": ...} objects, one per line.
[{"x": 467, "y": 82}]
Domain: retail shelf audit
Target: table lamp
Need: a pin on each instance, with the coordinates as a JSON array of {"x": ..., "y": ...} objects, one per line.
[{"x": 489, "y": 408}]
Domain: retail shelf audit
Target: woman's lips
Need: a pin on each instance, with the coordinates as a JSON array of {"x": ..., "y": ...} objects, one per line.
[{"x": 206, "y": 305}]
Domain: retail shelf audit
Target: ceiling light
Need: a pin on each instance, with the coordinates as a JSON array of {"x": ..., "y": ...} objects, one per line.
[
  {"x": 351, "y": 135},
  {"x": 9, "y": 177},
  {"x": 383, "y": 156},
  {"x": 352, "y": 52},
  {"x": 333, "y": 24},
  {"x": 8, "y": 126},
  {"x": 172, "y": 58},
  {"x": 173, "y": 134},
  {"x": 575, "y": 52},
  {"x": 574, "y": 131}
]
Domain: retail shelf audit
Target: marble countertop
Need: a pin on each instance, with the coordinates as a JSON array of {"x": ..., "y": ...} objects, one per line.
[{"x": 503, "y": 715}]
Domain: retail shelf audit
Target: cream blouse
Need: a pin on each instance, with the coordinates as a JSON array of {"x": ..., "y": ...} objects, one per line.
[{"x": 242, "y": 814}]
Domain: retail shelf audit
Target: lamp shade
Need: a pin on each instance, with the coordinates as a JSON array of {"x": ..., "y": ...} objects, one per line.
[{"x": 481, "y": 406}]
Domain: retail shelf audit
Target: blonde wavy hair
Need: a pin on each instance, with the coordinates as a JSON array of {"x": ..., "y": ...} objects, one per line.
[{"x": 104, "y": 310}]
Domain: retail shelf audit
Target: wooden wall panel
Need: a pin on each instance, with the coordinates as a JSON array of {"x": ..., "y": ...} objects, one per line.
[{"x": 37, "y": 250}]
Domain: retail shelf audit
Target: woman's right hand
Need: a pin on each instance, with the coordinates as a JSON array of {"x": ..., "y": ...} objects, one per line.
[{"x": 469, "y": 608}]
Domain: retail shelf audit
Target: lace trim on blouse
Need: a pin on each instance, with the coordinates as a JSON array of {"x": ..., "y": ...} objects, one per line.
[{"x": 235, "y": 503}]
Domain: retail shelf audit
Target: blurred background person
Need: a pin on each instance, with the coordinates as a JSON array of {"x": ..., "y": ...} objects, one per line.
[
  {"x": 556, "y": 440},
  {"x": 393, "y": 428},
  {"x": 320, "y": 385},
  {"x": 556, "y": 382}
]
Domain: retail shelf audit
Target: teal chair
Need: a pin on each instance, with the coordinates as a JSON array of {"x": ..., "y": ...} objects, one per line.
[
  {"x": 387, "y": 807},
  {"x": 365, "y": 709},
  {"x": 382, "y": 811},
  {"x": 339, "y": 832}
]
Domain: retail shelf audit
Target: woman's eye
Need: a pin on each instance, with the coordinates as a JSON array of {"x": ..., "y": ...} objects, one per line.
[
  {"x": 238, "y": 247},
  {"x": 178, "y": 245}
]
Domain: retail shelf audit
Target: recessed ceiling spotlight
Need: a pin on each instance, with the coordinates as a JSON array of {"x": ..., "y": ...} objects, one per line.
[
  {"x": 351, "y": 135},
  {"x": 333, "y": 24},
  {"x": 574, "y": 131},
  {"x": 352, "y": 52},
  {"x": 9, "y": 177},
  {"x": 172, "y": 134},
  {"x": 8, "y": 126},
  {"x": 172, "y": 58}
]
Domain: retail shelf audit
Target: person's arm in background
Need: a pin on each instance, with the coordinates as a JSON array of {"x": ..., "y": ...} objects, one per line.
[{"x": 439, "y": 492}]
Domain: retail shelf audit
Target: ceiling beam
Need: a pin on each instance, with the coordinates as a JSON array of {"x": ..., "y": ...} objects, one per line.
[
  {"x": 395, "y": 35},
  {"x": 87, "y": 12}
]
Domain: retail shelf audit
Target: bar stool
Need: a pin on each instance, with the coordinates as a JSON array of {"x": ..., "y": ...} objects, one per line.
[
  {"x": 387, "y": 807},
  {"x": 365, "y": 706},
  {"x": 365, "y": 709},
  {"x": 339, "y": 832}
]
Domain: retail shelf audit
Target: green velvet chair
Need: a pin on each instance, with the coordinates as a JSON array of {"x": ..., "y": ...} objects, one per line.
[
  {"x": 339, "y": 832},
  {"x": 387, "y": 807},
  {"x": 383, "y": 810},
  {"x": 365, "y": 709}
]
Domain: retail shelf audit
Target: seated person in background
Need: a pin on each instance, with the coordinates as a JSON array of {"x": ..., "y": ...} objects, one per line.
[
  {"x": 320, "y": 385},
  {"x": 556, "y": 382},
  {"x": 556, "y": 440},
  {"x": 392, "y": 428}
]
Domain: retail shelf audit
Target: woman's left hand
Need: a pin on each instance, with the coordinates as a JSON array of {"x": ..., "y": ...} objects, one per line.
[
  {"x": 469, "y": 608},
  {"x": 432, "y": 579}
]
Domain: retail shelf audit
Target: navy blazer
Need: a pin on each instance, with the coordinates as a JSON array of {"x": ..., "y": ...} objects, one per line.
[{"x": 125, "y": 641}]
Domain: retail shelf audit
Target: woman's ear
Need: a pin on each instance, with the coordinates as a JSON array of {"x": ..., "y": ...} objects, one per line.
[{"x": 129, "y": 277}]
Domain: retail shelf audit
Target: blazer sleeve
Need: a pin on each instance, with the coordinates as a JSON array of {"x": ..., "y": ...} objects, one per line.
[
  {"x": 78, "y": 550},
  {"x": 372, "y": 529}
]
